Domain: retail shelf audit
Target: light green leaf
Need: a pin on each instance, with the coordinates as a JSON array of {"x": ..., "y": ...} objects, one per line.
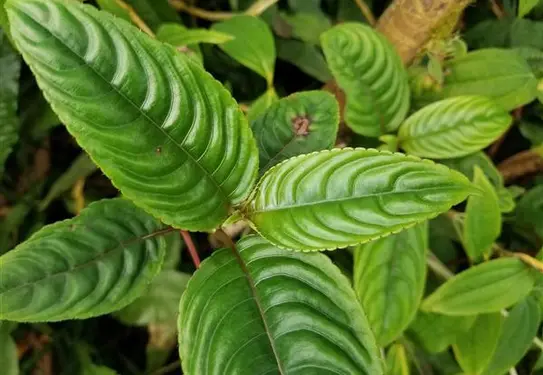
[
  {"x": 510, "y": 83},
  {"x": 483, "y": 219},
  {"x": 396, "y": 360},
  {"x": 435, "y": 332},
  {"x": 307, "y": 26},
  {"x": 370, "y": 71},
  {"x": 113, "y": 7},
  {"x": 534, "y": 58},
  {"x": 255, "y": 310},
  {"x": 160, "y": 302},
  {"x": 93, "y": 264},
  {"x": 10, "y": 66},
  {"x": 466, "y": 165},
  {"x": 261, "y": 104},
  {"x": 486, "y": 288},
  {"x": 252, "y": 46},
  {"x": 169, "y": 136},
  {"x": 344, "y": 197},
  {"x": 453, "y": 127},
  {"x": 9, "y": 361},
  {"x": 525, "y": 6},
  {"x": 305, "y": 56},
  {"x": 517, "y": 333},
  {"x": 389, "y": 278},
  {"x": 178, "y": 35},
  {"x": 474, "y": 349},
  {"x": 172, "y": 255},
  {"x": 82, "y": 167},
  {"x": 173, "y": 34},
  {"x": 300, "y": 123},
  {"x": 154, "y": 12}
]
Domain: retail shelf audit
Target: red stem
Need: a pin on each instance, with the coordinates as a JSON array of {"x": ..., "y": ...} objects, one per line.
[{"x": 190, "y": 246}]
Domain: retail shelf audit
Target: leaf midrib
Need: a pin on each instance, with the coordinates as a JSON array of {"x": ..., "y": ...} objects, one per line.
[
  {"x": 343, "y": 200},
  {"x": 143, "y": 113}
]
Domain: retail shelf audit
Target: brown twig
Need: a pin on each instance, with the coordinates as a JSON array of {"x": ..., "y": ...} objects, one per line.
[
  {"x": 527, "y": 259},
  {"x": 366, "y": 11},
  {"x": 225, "y": 239},
  {"x": 497, "y": 9},
  {"x": 522, "y": 164},
  {"x": 191, "y": 248},
  {"x": 254, "y": 10},
  {"x": 136, "y": 18}
]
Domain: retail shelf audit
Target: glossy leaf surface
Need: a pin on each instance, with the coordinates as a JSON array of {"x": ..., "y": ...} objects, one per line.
[
  {"x": 474, "y": 349},
  {"x": 370, "y": 71},
  {"x": 453, "y": 127},
  {"x": 436, "y": 332},
  {"x": 90, "y": 265},
  {"x": 256, "y": 310},
  {"x": 518, "y": 331},
  {"x": 389, "y": 278},
  {"x": 486, "y": 288},
  {"x": 298, "y": 124},
  {"x": 483, "y": 219},
  {"x": 344, "y": 197},
  {"x": 167, "y": 134},
  {"x": 257, "y": 52},
  {"x": 10, "y": 66}
]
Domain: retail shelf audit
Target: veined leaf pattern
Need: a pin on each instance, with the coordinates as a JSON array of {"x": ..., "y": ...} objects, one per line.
[
  {"x": 90, "y": 265},
  {"x": 255, "y": 310},
  {"x": 370, "y": 71},
  {"x": 167, "y": 134},
  {"x": 343, "y": 197},
  {"x": 453, "y": 127}
]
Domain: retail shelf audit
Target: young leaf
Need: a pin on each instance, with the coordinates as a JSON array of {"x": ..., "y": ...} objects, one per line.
[
  {"x": 90, "y": 265},
  {"x": 486, "y": 288},
  {"x": 305, "y": 56},
  {"x": 250, "y": 310},
  {"x": 169, "y": 136},
  {"x": 517, "y": 333},
  {"x": 483, "y": 219},
  {"x": 9, "y": 361},
  {"x": 474, "y": 349},
  {"x": 396, "y": 360},
  {"x": 453, "y": 127},
  {"x": 160, "y": 302},
  {"x": 370, "y": 71},
  {"x": 300, "y": 123},
  {"x": 252, "y": 46},
  {"x": 10, "y": 66},
  {"x": 435, "y": 332},
  {"x": 344, "y": 197},
  {"x": 389, "y": 278},
  {"x": 178, "y": 35}
]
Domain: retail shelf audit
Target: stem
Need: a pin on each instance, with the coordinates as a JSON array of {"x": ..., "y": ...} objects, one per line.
[
  {"x": 366, "y": 11},
  {"x": 438, "y": 267},
  {"x": 201, "y": 13},
  {"x": 192, "y": 249},
  {"x": 496, "y": 9},
  {"x": 136, "y": 18},
  {"x": 225, "y": 239},
  {"x": 260, "y": 7},
  {"x": 513, "y": 371}
]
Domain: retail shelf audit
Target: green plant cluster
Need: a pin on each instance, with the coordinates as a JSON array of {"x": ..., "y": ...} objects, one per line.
[{"x": 343, "y": 211}]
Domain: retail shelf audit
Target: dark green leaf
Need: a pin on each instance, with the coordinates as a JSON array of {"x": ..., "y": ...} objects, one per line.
[
  {"x": 154, "y": 12},
  {"x": 370, "y": 71},
  {"x": 529, "y": 211},
  {"x": 305, "y": 56},
  {"x": 9, "y": 361},
  {"x": 257, "y": 309},
  {"x": 300, "y": 123},
  {"x": 308, "y": 26},
  {"x": 486, "y": 288},
  {"x": 261, "y": 104},
  {"x": 186, "y": 158},
  {"x": 344, "y": 197},
  {"x": 389, "y": 278},
  {"x": 91, "y": 265}
]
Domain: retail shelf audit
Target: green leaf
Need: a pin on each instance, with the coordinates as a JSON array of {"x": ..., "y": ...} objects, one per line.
[
  {"x": 370, "y": 71},
  {"x": 252, "y": 46},
  {"x": 174, "y": 246},
  {"x": 529, "y": 211},
  {"x": 389, "y": 278},
  {"x": 525, "y": 6},
  {"x": 344, "y": 197},
  {"x": 154, "y": 12},
  {"x": 435, "y": 332},
  {"x": 81, "y": 167},
  {"x": 9, "y": 361},
  {"x": 174, "y": 34},
  {"x": 396, "y": 360},
  {"x": 249, "y": 311},
  {"x": 10, "y": 66},
  {"x": 185, "y": 157},
  {"x": 510, "y": 83},
  {"x": 300, "y": 123},
  {"x": 307, "y": 26},
  {"x": 93, "y": 264},
  {"x": 113, "y": 7},
  {"x": 178, "y": 35},
  {"x": 159, "y": 304},
  {"x": 453, "y": 127},
  {"x": 305, "y": 56},
  {"x": 483, "y": 219},
  {"x": 534, "y": 58},
  {"x": 261, "y": 104},
  {"x": 486, "y": 288},
  {"x": 474, "y": 349},
  {"x": 517, "y": 333}
]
